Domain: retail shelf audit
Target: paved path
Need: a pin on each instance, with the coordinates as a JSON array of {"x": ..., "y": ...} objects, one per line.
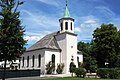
[
  {"x": 28, "y": 78},
  {"x": 43, "y": 77}
]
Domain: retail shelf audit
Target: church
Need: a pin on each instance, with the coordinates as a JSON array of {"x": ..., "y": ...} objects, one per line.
[{"x": 57, "y": 47}]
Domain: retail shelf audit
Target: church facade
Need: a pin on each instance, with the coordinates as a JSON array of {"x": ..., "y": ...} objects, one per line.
[{"x": 58, "y": 47}]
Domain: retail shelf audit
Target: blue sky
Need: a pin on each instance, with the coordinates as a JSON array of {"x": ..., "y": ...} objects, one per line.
[{"x": 41, "y": 17}]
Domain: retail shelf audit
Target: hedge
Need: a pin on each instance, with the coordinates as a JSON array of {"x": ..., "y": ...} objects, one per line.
[{"x": 108, "y": 73}]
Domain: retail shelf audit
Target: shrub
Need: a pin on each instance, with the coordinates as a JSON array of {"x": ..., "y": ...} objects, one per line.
[
  {"x": 80, "y": 72},
  {"x": 60, "y": 68},
  {"x": 72, "y": 67},
  {"x": 108, "y": 73},
  {"x": 119, "y": 74},
  {"x": 113, "y": 73},
  {"x": 93, "y": 68},
  {"x": 102, "y": 72},
  {"x": 50, "y": 68}
]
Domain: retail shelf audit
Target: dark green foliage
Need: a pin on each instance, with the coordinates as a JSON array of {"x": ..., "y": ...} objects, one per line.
[
  {"x": 60, "y": 68},
  {"x": 89, "y": 62},
  {"x": 11, "y": 31},
  {"x": 72, "y": 66},
  {"x": 103, "y": 72},
  {"x": 108, "y": 73},
  {"x": 80, "y": 72},
  {"x": 50, "y": 68},
  {"x": 118, "y": 73},
  {"x": 106, "y": 45}
]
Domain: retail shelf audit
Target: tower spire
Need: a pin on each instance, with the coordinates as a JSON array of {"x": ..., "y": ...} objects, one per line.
[{"x": 66, "y": 13}]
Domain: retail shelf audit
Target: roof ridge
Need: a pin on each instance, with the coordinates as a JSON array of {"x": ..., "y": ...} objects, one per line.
[{"x": 49, "y": 41}]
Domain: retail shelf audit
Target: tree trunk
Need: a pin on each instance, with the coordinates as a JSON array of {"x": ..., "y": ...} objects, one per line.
[{"x": 4, "y": 70}]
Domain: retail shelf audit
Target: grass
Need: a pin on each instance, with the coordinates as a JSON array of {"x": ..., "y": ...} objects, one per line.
[{"x": 75, "y": 78}]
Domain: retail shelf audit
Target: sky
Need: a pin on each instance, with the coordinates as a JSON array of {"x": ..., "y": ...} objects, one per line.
[{"x": 41, "y": 17}]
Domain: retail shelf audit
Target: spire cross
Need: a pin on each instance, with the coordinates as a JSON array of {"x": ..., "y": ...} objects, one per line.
[{"x": 66, "y": 2}]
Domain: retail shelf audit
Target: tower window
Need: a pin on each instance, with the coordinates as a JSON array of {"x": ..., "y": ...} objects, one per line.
[
  {"x": 66, "y": 25},
  {"x": 71, "y": 25},
  {"x": 61, "y": 26}
]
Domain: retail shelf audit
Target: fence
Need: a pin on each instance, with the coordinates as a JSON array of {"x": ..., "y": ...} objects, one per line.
[{"x": 20, "y": 73}]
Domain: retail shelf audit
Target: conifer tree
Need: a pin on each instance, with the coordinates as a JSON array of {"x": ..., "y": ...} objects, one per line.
[{"x": 11, "y": 31}]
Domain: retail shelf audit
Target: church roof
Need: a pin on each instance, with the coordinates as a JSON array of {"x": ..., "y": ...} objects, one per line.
[{"x": 47, "y": 42}]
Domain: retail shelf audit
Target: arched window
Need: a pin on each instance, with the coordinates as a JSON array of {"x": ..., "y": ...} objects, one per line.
[
  {"x": 77, "y": 59},
  {"x": 23, "y": 61},
  {"x": 66, "y": 25},
  {"x": 71, "y": 25},
  {"x": 61, "y": 26},
  {"x": 33, "y": 60},
  {"x": 39, "y": 60},
  {"x": 53, "y": 58},
  {"x": 28, "y": 61}
]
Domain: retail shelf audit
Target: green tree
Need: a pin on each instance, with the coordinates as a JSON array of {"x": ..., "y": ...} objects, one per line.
[
  {"x": 11, "y": 31},
  {"x": 88, "y": 58},
  {"x": 104, "y": 45}
]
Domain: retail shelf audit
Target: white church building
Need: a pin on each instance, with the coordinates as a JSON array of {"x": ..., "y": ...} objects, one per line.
[{"x": 58, "y": 47}]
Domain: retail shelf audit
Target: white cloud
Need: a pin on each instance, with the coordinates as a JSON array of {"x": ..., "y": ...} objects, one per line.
[
  {"x": 77, "y": 29},
  {"x": 36, "y": 20},
  {"x": 50, "y": 2},
  {"x": 90, "y": 21},
  {"x": 102, "y": 12},
  {"x": 88, "y": 25},
  {"x": 116, "y": 22},
  {"x": 34, "y": 37}
]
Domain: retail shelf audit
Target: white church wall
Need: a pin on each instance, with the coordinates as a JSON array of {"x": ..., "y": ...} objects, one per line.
[
  {"x": 48, "y": 57},
  {"x": 30, "y": 54},
  {"x": 80, "y": 57},
  {"x": 68, "y": 44},
  {"x": 71, "y": 50}
]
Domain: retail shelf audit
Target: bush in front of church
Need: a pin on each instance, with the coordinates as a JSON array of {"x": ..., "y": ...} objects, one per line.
[
  {"x": 72, "y": 67},
  {"x": 80, "y": 72},
  {"x": 50, "y": 68},
  {"x": 60, "y": 68}
]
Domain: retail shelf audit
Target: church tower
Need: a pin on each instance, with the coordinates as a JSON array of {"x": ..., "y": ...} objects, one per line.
[
  {"x": 66, "y": 23},
  {"x": 67, "y": 41}
]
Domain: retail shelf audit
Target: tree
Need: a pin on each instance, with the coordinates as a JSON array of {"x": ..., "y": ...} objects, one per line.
[
  {"x": 104, "y": 45},
  {"x": 89, "y": 61},
  {"x": 11, "y": 31}
]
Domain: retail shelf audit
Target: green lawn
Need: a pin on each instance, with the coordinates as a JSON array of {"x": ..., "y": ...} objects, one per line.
[{"x": 77, "y": 79}]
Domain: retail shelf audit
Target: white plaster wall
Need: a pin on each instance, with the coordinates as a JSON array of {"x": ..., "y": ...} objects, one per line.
[
  {"x": 48, "y": 57},
  {"x": 71, "y": 42},
  {"x": 80, "y": 57},
  {"x": 68, "y": 44},
  {"x": 30, "y": 54}
]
